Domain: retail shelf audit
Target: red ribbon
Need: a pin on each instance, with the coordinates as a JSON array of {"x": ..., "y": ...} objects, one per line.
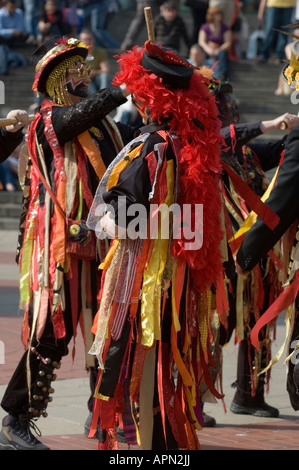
[
  {"x": 281, "y": 303},
  {"x": 268, "y": 216}
]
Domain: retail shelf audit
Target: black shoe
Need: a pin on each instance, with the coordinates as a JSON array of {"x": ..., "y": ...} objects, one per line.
[
  {"x": 263, "y": 411},
  {"x": 16, "y": 435},
  {"x": 208, "y": 421}
]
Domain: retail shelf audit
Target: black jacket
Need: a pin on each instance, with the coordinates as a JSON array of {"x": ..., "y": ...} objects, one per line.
[{"x": 283, "y": 200}]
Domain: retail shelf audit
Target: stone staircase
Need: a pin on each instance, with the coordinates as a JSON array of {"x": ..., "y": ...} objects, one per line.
[
  {"x": 253, "y": 84},
  {"x": 10, "y": 206}
]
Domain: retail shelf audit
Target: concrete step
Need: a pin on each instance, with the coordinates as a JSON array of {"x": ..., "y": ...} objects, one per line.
[
  {"x": 8, "y": 223},
  {"x": 10, "y": 197},
  {"x": 10, "y": 211}
]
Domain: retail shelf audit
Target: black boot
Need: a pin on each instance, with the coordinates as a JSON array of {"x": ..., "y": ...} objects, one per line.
[
  {"x": 16, "y": 434},
  {"x": 244, "y": 401}
]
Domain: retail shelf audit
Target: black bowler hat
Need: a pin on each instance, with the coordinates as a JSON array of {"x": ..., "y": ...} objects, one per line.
[
  {"x": 51, "y": 53},
  {"x": 174, "y": 71}
]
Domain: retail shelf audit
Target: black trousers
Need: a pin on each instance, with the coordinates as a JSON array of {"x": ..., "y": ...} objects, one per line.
[
  {"x": 16, "y": 398},
  {"x": 246, "y": 355}
]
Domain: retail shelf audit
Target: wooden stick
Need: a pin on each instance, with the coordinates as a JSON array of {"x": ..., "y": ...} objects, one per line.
[
  {"x": 11, "y": 121},
  {"x": 149, "y": 24}
]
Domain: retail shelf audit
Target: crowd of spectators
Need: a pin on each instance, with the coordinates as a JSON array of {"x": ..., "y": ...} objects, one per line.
[{"x": 219, "y": 31}]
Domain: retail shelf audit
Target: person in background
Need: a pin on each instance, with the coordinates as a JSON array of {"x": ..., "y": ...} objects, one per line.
[
  {"x": 94, "y": 14},
  {"x": 196, "y": 55},
  {"x": 12, "y": 28},
  {"x": 215, "y": 37},
  {"x": 71, "y": 17},
  {"x": 138, "y": 23},
  {"x": 32, "y": 11},
  {"x": 170, "y": 28},
  {"x": 274, "y": 14},
  {"x": 198, "y": 14},
  {"x": 51, "y": 22},
  {"x": 227, "y": 6}
]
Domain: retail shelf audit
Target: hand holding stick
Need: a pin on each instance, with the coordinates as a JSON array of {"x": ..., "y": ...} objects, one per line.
[{"x": 10, "y": 121}]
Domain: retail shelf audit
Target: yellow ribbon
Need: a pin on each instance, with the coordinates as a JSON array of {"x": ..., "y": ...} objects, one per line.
[
  {"x": 25, "y": 271},
  {"x": 107, "y": 261},
  {"x": 151, "y": 288},
  {"x": 122, "y": 165}
]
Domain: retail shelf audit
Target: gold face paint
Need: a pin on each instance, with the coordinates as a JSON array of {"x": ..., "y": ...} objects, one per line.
[
  {"x": 56, "y": 83},
  {"x": 81, "y": 71}
]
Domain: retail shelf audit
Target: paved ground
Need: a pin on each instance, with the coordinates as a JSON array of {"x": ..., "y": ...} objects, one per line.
[{"x": 63, "y": 429}]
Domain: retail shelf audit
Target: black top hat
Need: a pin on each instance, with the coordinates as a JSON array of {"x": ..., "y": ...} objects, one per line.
[
  {"x": 174, "y": 71},
  {"x": 50, "y": 54}
]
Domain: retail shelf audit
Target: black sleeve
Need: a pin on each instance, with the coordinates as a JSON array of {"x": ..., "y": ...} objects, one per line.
[
  {"x": 244, "y": 132},
  {"x": 8, "y": 142},
  {"x": 269, "y": 153},
  {"x": 134, "y": 184},
  {"x": 70, "y": 121},
  {"x": 283, "y": 200}
]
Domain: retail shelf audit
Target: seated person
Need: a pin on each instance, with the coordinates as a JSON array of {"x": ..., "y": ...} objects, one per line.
[
  {"x": 215, "y": 38},
  {"x": 196, "y": 55},
  {"x": 51, "y": 22},
  {"x": 12, "y": 28}
]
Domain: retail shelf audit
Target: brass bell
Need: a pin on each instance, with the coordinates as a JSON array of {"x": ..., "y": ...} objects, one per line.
[
  {"x": 36, "y": 397},
  {"x": 44, "y": 389},
  {"x": 44, "y": 414},
  {"x": 74, "y": 229},
  {"x": 51, "y": 390},
  {"x": 56, "y": 365},
  {"x": 48, "y": 360},
  {"x": 42, "y": 373},
  {"x": 39, "y": 384}
]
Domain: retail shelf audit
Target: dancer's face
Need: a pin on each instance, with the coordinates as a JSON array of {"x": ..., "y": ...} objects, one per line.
[{"x": 77, "y": 81}]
